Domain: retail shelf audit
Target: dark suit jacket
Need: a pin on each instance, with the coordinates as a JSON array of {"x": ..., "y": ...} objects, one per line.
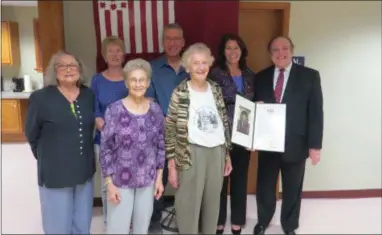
[{"x": 304, "y": 119}]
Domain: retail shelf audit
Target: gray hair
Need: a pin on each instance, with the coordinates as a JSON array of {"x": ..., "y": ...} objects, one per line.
[
  {"x": 50, "y": 78},
  {"x": 173, "y": 26},
  {"x": 197, "y": 48},
  {"x": 135, "y": 64}
]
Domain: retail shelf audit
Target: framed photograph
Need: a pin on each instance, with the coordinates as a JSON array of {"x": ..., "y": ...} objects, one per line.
[
  {"x": 243, "y": 122},
  {"x": 259, "y": 126}
]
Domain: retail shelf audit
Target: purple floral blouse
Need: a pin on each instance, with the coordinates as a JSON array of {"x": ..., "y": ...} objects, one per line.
[{"x": 132, "y": 146}]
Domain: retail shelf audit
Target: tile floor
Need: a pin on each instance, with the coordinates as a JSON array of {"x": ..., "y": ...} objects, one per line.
[{"x": 325, "y": 216}]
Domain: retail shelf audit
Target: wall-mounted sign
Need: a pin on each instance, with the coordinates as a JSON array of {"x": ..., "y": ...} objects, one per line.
[{"x": 299, "y": 60}]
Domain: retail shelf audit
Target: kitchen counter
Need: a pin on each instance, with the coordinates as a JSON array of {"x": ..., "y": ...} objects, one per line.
[{"x": 15, "y": 95}]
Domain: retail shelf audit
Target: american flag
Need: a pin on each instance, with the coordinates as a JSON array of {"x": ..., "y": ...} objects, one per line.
[{"x": 139, "y": 23}]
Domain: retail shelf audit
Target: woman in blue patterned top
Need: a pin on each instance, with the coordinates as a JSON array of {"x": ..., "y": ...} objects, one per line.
[
  {"x": 234, "y": 77},
  {"x": 132, "y": 154},
  {"x": 108, "y": 87}
]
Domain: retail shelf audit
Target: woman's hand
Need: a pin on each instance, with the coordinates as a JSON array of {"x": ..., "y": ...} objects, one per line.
[
  {"x": 173, "y": 177},
  {"x": 158, "y": 191},
  {"x": 113, "y": 194},
  {"x": 228, "y": 166},
  {"x": 99, "y": 122}
]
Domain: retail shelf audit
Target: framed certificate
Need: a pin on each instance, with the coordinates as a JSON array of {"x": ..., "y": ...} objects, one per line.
[{"x": 259, "y": 126}]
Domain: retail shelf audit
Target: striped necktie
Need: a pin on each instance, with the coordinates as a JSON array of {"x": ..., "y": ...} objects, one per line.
[{"x": 279, "y": 86}]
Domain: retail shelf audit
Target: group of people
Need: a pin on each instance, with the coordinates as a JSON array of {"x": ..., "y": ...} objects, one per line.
[{"x": 168, "y": 120}]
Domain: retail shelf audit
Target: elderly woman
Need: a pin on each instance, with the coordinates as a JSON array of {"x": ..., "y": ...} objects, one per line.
[
  {"x": 197, "y": 144},
  {"x": 234, "y": 77},
  {"x": 108, "y": 87},
  {"x": 59, "y": 129},
  {"x": 132, "y": 154}
]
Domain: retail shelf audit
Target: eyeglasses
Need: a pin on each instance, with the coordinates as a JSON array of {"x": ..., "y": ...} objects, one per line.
[
  {"x": 175, "y": 39},
  {"x": 64, "y": 67}
]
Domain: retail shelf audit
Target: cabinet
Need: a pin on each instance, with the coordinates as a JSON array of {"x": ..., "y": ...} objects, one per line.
[
  {"x": 10, "y": 43},
  {"x": 13, "y": 115}
]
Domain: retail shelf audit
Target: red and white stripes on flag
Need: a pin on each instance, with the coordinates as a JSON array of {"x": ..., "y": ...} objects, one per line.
[{"x": 139, "y": 23}]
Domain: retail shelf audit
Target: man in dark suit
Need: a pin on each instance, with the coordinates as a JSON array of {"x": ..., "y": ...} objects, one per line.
[{"x": 299, "y": 88}]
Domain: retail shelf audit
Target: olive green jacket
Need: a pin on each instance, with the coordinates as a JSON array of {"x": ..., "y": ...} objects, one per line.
[{"x": 176, "y": 129}]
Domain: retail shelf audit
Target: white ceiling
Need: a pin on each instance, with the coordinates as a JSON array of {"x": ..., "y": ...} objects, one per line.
[{"x": 18, "y": 3}]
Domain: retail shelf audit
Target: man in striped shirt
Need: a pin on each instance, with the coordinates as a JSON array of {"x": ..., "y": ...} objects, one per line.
[{"x": 166, "y": 76}]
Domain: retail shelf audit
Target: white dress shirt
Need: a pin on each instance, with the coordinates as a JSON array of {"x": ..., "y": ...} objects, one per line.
[{"x": 286, "y": 76}]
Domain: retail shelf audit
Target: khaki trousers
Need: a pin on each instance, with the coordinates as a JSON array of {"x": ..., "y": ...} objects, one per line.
[{"x": 199, "y": 190}]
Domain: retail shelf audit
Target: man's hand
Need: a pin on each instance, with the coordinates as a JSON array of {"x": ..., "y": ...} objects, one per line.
[
  {"x": 315, "y": 156},
  {"x": 99, "y": 122}
]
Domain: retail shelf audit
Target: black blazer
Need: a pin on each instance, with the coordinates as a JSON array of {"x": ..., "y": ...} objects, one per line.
[
  {"x": 303, "y": 97},
  {"x": 61, "y": 142}
]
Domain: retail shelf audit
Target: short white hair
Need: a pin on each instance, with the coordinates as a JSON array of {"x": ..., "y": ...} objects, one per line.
[
  {"x": 194, "y": 49},
  {"x": 135, "y": 64},
  {"x": 50, "y": 77}
]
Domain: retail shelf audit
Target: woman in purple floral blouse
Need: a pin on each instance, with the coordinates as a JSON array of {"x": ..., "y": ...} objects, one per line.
[
  {"x": 234, "y": 77},
  {"x": 132, "y": 154}
]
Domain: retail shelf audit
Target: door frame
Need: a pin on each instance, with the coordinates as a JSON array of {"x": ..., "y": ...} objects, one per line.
[
  {"x": 284, "y": 7},
  {"x": 50, "y": 29}
]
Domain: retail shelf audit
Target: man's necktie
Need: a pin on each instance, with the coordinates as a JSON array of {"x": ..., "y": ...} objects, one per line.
[{"x": 279, "y": 86}]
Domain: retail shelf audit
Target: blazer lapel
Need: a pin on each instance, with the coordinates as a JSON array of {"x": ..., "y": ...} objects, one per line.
[{"x": 291, "y": 83}]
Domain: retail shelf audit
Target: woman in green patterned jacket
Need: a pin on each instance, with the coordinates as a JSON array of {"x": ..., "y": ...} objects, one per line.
[{"x": 197, "y": 144}]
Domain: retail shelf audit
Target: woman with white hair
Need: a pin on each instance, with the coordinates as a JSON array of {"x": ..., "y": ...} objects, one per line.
[
  {"x": 132, "y": 154},
  {"x": 59, "y": 129},
  {"x": 197, "y": 144}
]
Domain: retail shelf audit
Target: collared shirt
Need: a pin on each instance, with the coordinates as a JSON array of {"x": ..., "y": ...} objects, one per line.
[
  {"x": 163, "y": 82},
  {"x": 286, "y": 76}
]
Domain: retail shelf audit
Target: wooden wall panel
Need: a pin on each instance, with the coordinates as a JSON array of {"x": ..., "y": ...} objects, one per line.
[{"x": 51, "y": 29}]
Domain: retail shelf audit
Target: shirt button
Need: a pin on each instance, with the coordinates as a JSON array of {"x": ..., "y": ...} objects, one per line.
[
  {"x": 81, "y": 153},
  {"x": 78, "y": 106},
  {"x": 80, "y": 129},
  {"x": 80, "y": 135},
  {"x": 80, "y": 123},
  {"x": 81, "y": 147},
  {"x": 80, "y": 116},
  {"x": 78, "y": 111}
]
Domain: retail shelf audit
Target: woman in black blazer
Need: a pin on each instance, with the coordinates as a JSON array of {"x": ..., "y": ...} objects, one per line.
[
  {"x": 59, "y": 129},
  {"x": 234, "y": 77}
]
